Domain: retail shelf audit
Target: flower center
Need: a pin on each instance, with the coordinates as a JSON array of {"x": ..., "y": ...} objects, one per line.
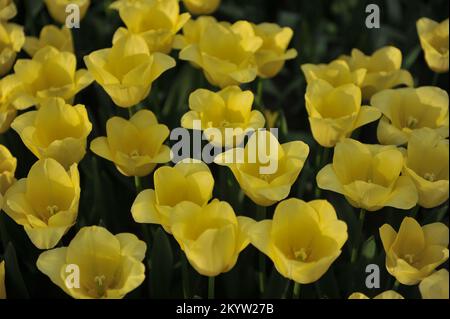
[
  {"x": 410, "y": 258},
  {"x": 302, "y": 254},
  {"x": 430, "y": 177},
  {"x": 134, "y": 154},
  {"x": 52, "y": 209},
  {"x": 265, "y": 177},
  {"x": 225, "y": 123},
  {"x": 412, "y": 122},
  {"x": 100, "y": 285}
]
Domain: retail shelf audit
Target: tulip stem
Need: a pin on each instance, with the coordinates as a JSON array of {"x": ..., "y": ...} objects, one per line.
[
  {"x": 211, "y": 284},
  {"x": 259, "y": 94},
  {"x": 355, "y": 250},
  {"x": 138, "y": 184},
  {"x": 435, "y": 79},
  {"x": 321, "y": 159},
  {"x": 296, "y": 291},
  {"x": 185, "y": 275},
  {"x": 396, "y": 285},
  {"x": 415, "y": 211},
  {"x": 261, "y": 215}
]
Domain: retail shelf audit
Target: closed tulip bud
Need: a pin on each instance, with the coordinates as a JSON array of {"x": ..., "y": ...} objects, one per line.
[
  {"x": 414, "y": 252},
  {"x": 193, "y": 182},
  {"x": 427, "y": 166},
  {"x": 226, "y": 110},
  {"x": 8, "y": 10},
  {"x": 46, "y": 202},
  {"x": 127, "y": 70},
  {"x": 2, "y": 280},
  {"x": 50, "y": 73},
  {"x": 274, "y": 51},
  {"x": 12, "y": 38},
  {"x": 59, "y": 38},
  {"x": 199, "y": 7},
  {"x": 264, "y": 169},
  {"x": 383, "y": 70},
  {"x": 336, "y": 73},
  {"x": 9, "y": 89},
  {"x": 302, "y": 240},
  {"x": 388, "y": 294},
  {"x": 57, "y": 8},
  {"x": 368, "y": 176},
  {"x": 109, "y": 266},
  {"x": 135, "y": 146},
  {"x": 56, "y": 130},
  {"x": 211, "y": 236},
  {"x": 334, "y": 113},
  {"x": 406, "y": 110},
  {"x": 434, "y": 41},
  {"x": 156, "y": 21},
  {"x": 8, "y": 165},
  {"x": 435, "y": 286},
  {"x": 225, "y": 53}
]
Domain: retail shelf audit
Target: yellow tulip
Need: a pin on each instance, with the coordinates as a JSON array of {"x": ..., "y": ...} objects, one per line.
[
  {"x": 383, "y": 70},
  {"x": 46, "y": 202},
  {"x": 227, "y": 110},
  {"x": 199, "y": 7},
  {"x": 117, "y": 4},
  {"x": 2, "y": 281},
  {"x": 388, "y": 294},
  {"x": 57, "y": 130},
  {"x": 226, "y": 53},
  {"x": 12, "y": 38},
  {"x": 414, "y": 252},
  {"x": 435, "y": 286},
  {"x": 8, "y": 164},
  {"x": 303, "y": 239},
  {"x": 50, "y": 73},
  {"x": 336, "y": 73},
  {"x": 264, "y": 169},
  {"x": 427, "y": 165},
  {"x": 9, "y": 89},
  {"x": 8, "y": 10},
  {"x": 109, "y": 266},
  {"x": 368, "y": 176},
  {"x": 193, "y": 31},
  {"x": 406, "y": 110},
  {"x": 334, "y": 113},
  {"x": 127, "y": 70},
  {"x": 59, "y": 38},
  {"x": 211, "y": 236},
  {"x": 135, "y": 146},
  {"x": 434, "y": 41},
  {"x": 157, "y": 21},
  {"x": 57, "y": 8},
  {"x": 192, "y": 181},
  {"x": 274, "y": 52}
]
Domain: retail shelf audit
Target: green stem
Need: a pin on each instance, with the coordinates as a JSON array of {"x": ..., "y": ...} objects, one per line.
[
  {"x": 415, "y": 211},
  {"x": 185, "y": 276},
  {"x": 138, "y": 184},
  {"x": 259, "y": 94},
  {"x": 296, "y": 291},
  {"x": 396, "y": 285},
  {"x": 435, "y": 79},
  {"x": 211, "y": 284},
  {"x": 355, "y": 250},
  {"x": 261, "y": 215},
  {"x": 321, "y": 160},
  {"x": 286, "y": 289}
]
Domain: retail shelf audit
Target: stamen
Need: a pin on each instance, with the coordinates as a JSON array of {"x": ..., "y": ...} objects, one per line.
[
  {"x": 134, "y": 154},
  {"x": 52, "y": 209},
  {"x": 100, "y": 284},
  {"x": 430, "y": 177},
  {"x": 412, "y": 122},
  {"x": 301, "y": 255}
]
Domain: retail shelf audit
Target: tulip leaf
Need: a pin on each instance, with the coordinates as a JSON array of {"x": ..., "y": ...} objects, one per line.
[
  {"x": 16, "y": 287},
  {"x": 161, "y": 271}
]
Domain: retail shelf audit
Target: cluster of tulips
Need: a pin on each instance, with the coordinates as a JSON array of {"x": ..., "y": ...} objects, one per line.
[{"x": 407, "y": 170}]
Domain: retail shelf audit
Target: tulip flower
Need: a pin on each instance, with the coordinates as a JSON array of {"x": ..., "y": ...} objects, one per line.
[
  {"x": 109, "y": 266},
  {"x": 273, "y": 53},
  {"x": 211, "y": 236},
  {"x": 56, "y": 130},
  {"x": 193, "y": 182},
  {"x": 59, "y": 38},
  {"x": 57, "y": 8},
  {"x": 135, "y": 146},
  {"x": 383, "y": 70},
  {"x": 414, "y": 252},
  {"x": 368, "y": 176},
  {"x": 217, "y": 113},
  {"x": 303, "y": 239},
  {"x": 334, "y": 113},
  {"x": 226, "y": 53},
  {"x": 12, "y": 38},
  {"x": 45, "y": 203},
  {"x": 199, "y": 7},
  {"x": 337, "y": 73},
  {"x": 388, "y": 294},
  {"x": 435, "y": 286},
  {"x": 2, "y": 280},
  {"x": 406, "y": 110},
  {"x": 193, "y": 31},
  {"x": 50, "y": 73},
  {"x": 8, "y": 10},
  {"x": 434, "y": 41},
  {"x": 157, "y": 21},
  {"x": 427, "y": 166},
  {"x": 264, "y": 169},
  {"x": 8, "y": 165},
  {"x": 127, "y": 70},
  {"x": 9, "y": 89}
]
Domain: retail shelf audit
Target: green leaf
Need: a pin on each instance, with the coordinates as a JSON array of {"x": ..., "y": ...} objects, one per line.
[
  {"x": 161, "y": 269},
  {"x": 16, "y": 287}
]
